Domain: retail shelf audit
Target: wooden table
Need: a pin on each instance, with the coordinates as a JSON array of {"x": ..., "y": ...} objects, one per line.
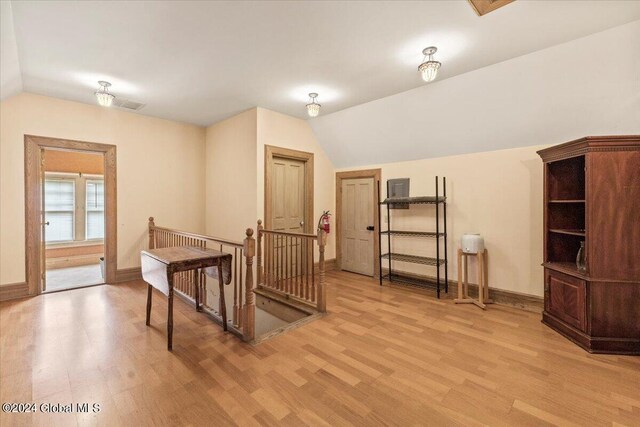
[{"x": 159, "y": 265}]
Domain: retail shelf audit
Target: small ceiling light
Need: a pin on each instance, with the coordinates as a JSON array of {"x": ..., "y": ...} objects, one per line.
[
  {"x": 313, "y": 108},
  {"x": 104, "y": 97},
  {"x": 429, "y": 67}
]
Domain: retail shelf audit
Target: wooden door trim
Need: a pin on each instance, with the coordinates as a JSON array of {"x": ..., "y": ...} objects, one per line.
[
  {"x": 270, "y": 152},
  {"x": 365, "y": 173},
  {"x": 32, "y": 164}
]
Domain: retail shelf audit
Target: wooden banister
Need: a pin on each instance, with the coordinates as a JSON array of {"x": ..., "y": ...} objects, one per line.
[
  {"x": 250, "y": 305},
  {"x": 259, "y": 271},
  {"x": 289, "y": 234},
  {"x": 286, "y": 267},
  {"x": 194, "y": 235}
]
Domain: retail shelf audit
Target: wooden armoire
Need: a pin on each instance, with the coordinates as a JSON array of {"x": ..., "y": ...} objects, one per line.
[{"x": 592, "y": 195}]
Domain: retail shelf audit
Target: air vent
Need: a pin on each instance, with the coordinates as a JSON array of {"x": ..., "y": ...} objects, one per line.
[{"x": 128, "y": 104}]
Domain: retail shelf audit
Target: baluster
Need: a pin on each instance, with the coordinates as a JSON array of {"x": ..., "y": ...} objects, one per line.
[
  {"x": 235, "y": 291},
  {"x": 303, "y": 278},
  {"x": 286, "y": 264},
  {"x": 250, "y": 307},
  {"x": 265, "y": 260},
  {"x": 270, "y": 262},
  {"x": 312, "y": 292},
  {"x": 259, "y": 271},
  {"x": 282, "y": 265},
  {"x": 240, "y": 287},
  {"x": 322, "y": 291},
  {"x": 235, "y": 287},
  {"x": 294, "y": 266},
  {"x": 275, "y": 261},
  {"x": 300, "y": 267}
]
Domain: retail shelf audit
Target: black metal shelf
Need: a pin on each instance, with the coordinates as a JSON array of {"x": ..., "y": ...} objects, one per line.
[
  {"x": 414, "y": 259},
  {"x": 439, "y": 201},
  {"x": 421, "y": 200},
  {"x": 422, "y": 283},
  {"x": 404, "y": 233}
]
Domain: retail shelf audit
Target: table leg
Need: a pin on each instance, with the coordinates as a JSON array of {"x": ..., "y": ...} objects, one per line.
[
  {"x": 149, "y": 295},
  {"x": 196, "y": 284},
  {"x": 223, "y": 305},
  {"x": 485, "y": 269},
  {"x": 170, "y": 313},
  {"x": 460, "y": 294},
  {"x": 480, "y": 259},
  {"x": 465, "y": 283}
]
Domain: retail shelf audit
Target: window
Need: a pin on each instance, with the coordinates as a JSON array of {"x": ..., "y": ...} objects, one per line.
[
  {"x": 95, "y": 209},
  {"x": 59, "y": 209}
]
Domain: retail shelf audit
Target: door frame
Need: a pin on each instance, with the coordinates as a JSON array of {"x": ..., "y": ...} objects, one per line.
[
  {"x": 364, "y": 173},
  {"x": 33, "y": 203},
  {"x": 270, "y": 152}
]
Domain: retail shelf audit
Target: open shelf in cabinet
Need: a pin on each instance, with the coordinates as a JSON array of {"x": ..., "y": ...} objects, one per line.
[{"x": 565, "y": 179}]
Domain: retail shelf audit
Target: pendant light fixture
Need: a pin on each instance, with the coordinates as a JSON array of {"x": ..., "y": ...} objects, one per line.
[
  {"x": 104, "y": 97},
  {"x": 313, "y": 108},
  {"x": 429, "y": 68}
]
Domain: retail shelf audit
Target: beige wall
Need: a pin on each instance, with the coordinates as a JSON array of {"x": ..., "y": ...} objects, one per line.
[
  {"x": 231, "y": 176},
  {"x": 160, "y": 170},
  {"x": 497, "y": 194},
  {"x": 289, "y": 132},
  {"x": 235, "y": 170}
]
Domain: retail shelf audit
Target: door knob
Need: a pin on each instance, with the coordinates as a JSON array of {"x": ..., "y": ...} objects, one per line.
[
  {"x": 301, "y": 223},
  {"x": 370, "y": 227},
  {"x": 45, "y": 223}
]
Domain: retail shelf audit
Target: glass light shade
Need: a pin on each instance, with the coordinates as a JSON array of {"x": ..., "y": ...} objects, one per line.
[
  {"x": 104, "y": 98},
  {"x": 429, "y": 70},
  {"x": 313, "y": 109}
]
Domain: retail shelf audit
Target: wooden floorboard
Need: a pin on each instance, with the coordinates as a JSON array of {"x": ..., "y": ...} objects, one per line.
[{"x": 382, "y": 356}]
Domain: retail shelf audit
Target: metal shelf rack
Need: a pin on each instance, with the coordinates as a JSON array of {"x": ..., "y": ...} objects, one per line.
[{"x": 440, "y": 260}]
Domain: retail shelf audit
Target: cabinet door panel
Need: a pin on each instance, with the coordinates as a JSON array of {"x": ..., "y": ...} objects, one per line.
[{"x": 566, "y": 299}]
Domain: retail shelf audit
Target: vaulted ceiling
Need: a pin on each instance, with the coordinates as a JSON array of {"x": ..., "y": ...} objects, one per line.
[{"x": 200, "y": 62}]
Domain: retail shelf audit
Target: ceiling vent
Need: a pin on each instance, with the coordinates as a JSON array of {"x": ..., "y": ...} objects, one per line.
[{"x": 127, "y": 104}]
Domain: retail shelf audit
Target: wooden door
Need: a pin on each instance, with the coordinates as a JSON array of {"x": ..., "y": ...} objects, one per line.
[
  {"x": 288, "y": 214},
  {"x": 43, "y": 227},
  {"x": 357, "y": 226},
  {"x": 287, "y": 195}
]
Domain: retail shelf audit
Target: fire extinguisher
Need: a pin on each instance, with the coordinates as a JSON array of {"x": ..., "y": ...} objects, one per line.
[{"x": 324, "y": 223}]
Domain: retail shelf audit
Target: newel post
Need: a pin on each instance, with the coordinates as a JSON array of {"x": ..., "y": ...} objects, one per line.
[
  {"x": 259, "y": 270},
  {"x": 151, "y": 233},
  {"x": 249, "y": 324},
  {"x": 322, "y": 289}
]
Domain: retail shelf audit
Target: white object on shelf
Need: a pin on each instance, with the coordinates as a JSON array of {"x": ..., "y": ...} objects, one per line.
[{"x": 472, "y": 243}]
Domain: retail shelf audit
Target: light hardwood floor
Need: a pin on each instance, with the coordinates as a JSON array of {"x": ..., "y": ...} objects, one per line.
[{"x": 382, "y": 356}]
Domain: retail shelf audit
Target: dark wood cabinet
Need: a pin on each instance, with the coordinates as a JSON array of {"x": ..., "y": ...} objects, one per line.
[{"x": 592, "y": 195}]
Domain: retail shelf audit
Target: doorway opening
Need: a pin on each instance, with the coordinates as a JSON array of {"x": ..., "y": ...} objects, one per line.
[
  {"x": 70, "y": 206},
  {"x": 357, "y": 221},
  {"x": 73, "y": 205}
]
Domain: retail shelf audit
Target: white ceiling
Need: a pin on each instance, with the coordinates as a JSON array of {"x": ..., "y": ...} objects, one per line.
[{"x": 200, "y": 62}]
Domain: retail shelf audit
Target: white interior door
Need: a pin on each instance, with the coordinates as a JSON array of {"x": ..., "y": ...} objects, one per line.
[{"x": 357, "y": 227}]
